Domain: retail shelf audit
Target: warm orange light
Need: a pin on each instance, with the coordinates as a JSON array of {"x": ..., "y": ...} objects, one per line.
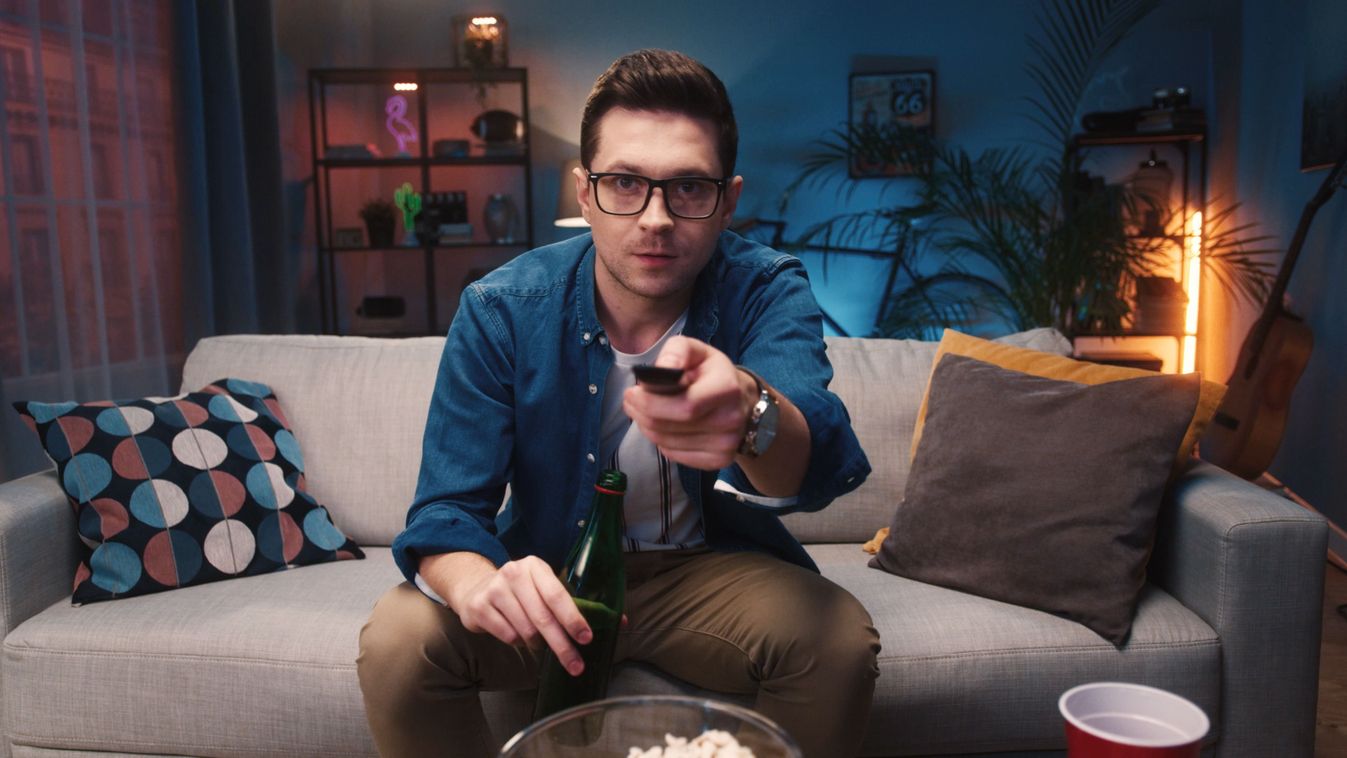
[
  {"x": 405, "y": 86},
  {"x": 1192, "y": 285},
  {"x": 484, "y": 20}
]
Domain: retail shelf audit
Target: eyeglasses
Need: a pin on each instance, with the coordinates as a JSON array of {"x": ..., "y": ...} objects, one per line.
[{"x": 692, "y": 197}]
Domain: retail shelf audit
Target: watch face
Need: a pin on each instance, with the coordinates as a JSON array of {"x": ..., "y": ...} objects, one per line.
[{"x": 766, "y": 428}]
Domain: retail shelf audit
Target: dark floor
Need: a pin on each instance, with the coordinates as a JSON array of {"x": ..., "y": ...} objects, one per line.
[{"x": 1331, "y": 738}]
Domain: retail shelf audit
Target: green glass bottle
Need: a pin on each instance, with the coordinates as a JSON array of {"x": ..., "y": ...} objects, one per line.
[{"x": 596, "y": 579}]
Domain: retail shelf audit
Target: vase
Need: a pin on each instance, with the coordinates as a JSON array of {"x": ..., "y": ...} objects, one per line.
[{"x": 499, "y": 218}]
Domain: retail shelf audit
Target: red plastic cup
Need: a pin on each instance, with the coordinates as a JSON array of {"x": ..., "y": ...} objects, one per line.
[{"x": 1120, "y": 720}]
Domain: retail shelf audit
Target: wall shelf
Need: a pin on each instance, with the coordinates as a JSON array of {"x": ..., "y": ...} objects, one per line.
[
  {"x": 439, "y": 107},
  {"x": 1191, "y": 147}
]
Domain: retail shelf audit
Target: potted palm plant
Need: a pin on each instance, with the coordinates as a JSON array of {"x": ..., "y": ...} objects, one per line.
[{"x": 1014, "y": 235}]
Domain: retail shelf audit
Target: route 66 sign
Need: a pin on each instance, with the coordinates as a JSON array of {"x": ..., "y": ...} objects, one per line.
[{"x": 880, "y": 100}]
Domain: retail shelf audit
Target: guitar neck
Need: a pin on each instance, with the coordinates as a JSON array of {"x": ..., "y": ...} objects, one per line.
[{"x": 1274, "y": 307}]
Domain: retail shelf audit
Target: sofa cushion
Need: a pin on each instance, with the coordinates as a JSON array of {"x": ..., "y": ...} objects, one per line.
[
  {"x": 171, "y": 492},
  {"x": 1010, "y": 663},
  {"x": 1037, "y": 491},
  {"x": 359, "y": 404},
  {"x": 882, "y": 381}
]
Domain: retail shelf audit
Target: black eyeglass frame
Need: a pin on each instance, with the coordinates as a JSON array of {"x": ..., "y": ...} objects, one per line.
[{"x": 651, "y": 184}]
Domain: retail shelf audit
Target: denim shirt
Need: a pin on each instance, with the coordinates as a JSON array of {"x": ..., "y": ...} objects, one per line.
[{"x": 519, "y": 396}]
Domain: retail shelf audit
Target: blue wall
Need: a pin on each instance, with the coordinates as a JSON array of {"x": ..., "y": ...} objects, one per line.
[{"x": 1272, "y": 73}]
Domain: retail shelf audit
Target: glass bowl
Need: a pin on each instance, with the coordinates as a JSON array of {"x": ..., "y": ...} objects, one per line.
[{"x": 614, "y": 726}]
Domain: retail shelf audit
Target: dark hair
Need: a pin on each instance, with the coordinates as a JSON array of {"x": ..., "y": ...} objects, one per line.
[{"x": 663, "y": 80}]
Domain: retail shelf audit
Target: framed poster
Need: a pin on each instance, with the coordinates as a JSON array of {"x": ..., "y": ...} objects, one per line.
[
  {"x": 879, "y": 100},
  {"x": 1323, "y": 126}
]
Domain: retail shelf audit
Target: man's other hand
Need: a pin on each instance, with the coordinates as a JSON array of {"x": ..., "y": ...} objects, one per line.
[{"x": 521, "y": 603}]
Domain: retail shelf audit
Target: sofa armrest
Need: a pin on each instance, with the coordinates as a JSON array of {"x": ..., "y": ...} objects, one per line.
[
  {"x": 1251, "y": 564},
  {"x": 38, "y": 547}
]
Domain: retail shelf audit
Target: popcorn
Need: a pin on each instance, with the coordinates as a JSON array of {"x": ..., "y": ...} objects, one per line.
[{"x": 712, "y": 743}]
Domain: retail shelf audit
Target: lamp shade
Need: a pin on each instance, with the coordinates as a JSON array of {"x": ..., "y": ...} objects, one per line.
[{"x": 568, "y": 206}]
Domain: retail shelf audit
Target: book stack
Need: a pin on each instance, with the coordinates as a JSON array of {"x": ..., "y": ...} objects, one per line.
[
  {"x": 445, "y": 215},
  {"x": 1170, "y": 120}
]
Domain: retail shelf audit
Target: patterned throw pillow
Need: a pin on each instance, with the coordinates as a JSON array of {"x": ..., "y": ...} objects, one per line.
[{"x": 171, "y": 492}]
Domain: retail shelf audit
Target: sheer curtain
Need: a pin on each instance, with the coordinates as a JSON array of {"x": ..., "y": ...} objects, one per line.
[
  {"x": 91, "y": 271},
  {"x": 142, "y": 197}
]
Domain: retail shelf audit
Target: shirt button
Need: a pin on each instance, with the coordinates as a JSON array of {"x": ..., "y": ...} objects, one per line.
[
  {"x": 581, "y": 522},
  {"x": 585, "y": 336},
  {"x": 593, "y": 389},
  {"x": 589, "y": 457},
  {"x": 603, "y": 340}
]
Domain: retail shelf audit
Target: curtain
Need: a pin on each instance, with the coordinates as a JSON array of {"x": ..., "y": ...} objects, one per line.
[
  {"x": 90, "y": 274},
  {"x": 240, "y": 269},
  {"x": 142, "y": 197}
]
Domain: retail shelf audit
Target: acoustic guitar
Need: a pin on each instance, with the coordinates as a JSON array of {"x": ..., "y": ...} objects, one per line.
[{"x": 1247, "y": 429}]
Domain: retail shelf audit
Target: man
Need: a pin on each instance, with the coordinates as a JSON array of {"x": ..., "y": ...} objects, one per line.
[{"x": 535, "y": 389}]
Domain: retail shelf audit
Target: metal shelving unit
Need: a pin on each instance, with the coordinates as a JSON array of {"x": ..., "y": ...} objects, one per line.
[
  {"x": 320, "y": 81},
  {"x": 1191, "y": 146}
]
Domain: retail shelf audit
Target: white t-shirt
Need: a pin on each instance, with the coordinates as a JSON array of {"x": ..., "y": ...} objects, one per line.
[{"x": 656, "y": 512}]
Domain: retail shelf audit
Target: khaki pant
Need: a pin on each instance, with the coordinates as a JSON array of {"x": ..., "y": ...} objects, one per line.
[{"x": 742, "y": 623}]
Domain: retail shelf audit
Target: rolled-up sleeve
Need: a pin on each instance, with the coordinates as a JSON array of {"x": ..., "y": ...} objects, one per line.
[
  {"x": 783, "y": 342},
  {"x": 466, "y": 451}
]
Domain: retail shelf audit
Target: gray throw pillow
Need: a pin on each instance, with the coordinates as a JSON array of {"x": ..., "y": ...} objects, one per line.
[{"x": 1040, "y": 492}]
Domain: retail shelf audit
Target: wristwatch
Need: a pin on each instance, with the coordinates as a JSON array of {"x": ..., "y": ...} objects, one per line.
[{"x": 762, "y": 418}]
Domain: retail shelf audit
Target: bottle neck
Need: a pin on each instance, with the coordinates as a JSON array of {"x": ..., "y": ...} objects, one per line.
[{"x": 603, "y": 530}]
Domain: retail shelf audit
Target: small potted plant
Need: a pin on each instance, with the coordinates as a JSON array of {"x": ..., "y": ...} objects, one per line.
[{"x": 381, "y": 218}]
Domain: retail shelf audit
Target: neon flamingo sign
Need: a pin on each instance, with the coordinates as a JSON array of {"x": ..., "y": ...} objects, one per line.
[{"x": 397, "y": 123}]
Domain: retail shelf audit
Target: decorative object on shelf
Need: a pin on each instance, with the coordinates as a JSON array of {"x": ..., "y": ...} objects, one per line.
[
  {"x": 449, "y": 148},
  {"x": 1171, "y": 98},
  {"x": 1150, "y": 187},
  {"x": 350, "y": 152},
  {"x": 881, "y": 102},
  {"x": 348, "y": 236},
  {"x": 569, "y": 215},
  {"x": 402, "y": 130},
  {"x": 382, "y": 306},
  {"x": 1171, "y": 120},
  {"x": 498, "y": 128},
  {"x": 1161, "y": 305},
  {"x": 1157, "y": 119},
  {"x": 408, "y": 200},
  {"x": 499, "y": 216},
  {"x": 381, "y": 219},
  {"x": 444, "y": 216},
  {"x": 481, "y": 41}
]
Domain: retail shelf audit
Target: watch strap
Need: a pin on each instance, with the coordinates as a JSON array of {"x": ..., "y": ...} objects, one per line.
[{"x": 748, "y": 445}]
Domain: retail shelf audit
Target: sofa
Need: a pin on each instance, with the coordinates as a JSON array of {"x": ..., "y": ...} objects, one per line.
[{"x": 264, "y": 665}]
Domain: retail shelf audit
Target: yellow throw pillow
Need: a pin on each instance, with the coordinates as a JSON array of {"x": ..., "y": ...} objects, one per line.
[{"x": 1051, "y": 366}]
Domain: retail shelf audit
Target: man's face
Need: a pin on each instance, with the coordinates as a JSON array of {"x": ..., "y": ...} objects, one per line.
[{"x": 653, "y": 257}]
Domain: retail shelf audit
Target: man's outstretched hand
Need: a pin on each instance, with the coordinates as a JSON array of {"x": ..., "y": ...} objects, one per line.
[{"x": 703, "y": 425}]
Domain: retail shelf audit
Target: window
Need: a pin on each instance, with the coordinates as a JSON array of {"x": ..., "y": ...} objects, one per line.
[
  {"x": 18, "y": 83},
  {"x": 26, "y": 165}
]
